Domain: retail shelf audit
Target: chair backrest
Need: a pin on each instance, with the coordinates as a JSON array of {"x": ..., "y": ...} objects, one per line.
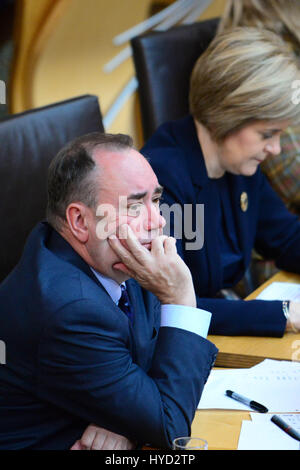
[
  {"x": 163, "y": 64},
  {"x": 28, "y": 142}
]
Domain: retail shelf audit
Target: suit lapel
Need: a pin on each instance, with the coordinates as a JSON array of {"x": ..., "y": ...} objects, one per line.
[{"x": 145, "y": 326}]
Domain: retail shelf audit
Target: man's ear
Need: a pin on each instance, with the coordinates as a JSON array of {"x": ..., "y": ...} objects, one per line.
[{"x": 76, "y": 218}]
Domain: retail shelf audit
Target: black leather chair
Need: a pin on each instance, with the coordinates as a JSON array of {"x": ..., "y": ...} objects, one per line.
[
  {"x": 29, "y": 141},
  {"x": 163, "y": 64}
]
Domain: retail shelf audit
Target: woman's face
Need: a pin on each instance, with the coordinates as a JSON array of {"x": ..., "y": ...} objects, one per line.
[{"x": 242, "y": 152}]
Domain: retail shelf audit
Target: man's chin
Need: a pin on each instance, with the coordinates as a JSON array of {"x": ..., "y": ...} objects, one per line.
[{"x": 118, "y": 274}]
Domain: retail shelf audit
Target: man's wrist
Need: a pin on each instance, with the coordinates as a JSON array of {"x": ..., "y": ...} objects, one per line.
[
  {"x": 187, "y": 299},
  {"x": 186, "y": 318}
]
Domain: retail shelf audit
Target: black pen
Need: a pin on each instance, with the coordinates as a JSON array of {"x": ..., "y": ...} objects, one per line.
[
  {"x": 286, "y": 427},
  {"x": 253, "y": 404}
]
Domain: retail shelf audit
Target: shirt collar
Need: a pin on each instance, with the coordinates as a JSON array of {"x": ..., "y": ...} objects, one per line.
[{"x": 111, "y": 286}]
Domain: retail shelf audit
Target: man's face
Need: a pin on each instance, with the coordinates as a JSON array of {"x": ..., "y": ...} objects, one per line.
[{"x": 129, "y": 194}]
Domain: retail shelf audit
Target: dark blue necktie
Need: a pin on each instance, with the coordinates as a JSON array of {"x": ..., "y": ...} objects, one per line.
[{"x": 124, "y": 303}]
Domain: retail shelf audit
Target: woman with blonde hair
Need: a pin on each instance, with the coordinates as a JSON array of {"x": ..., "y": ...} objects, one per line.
[
  {"x": 240, "y": 103},
  {"x": 280, "y": 16},
  {"x": 283, "y": 18}
]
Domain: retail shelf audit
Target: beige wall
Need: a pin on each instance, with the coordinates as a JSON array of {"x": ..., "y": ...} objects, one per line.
[
  {"x": 30, "y": 15},
  {"x": 65, "y": 44}
]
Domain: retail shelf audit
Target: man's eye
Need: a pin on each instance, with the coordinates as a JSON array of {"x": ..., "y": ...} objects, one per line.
[
  {"x": 157, "y": 200},
  {"x": 134, "y": 209}
]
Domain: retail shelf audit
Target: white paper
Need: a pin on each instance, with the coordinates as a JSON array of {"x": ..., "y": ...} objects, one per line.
[
  {"x": 265, "y": 436},
  {"x": 281, "y": 291},
  {"x": 274, "y": 384},
  {"x": 219, "y": 381},
  {"x": 292, "y": 419},
  {"x": 276, "y": 364}
]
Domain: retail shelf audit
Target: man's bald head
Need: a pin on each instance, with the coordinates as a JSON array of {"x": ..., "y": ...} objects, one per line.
[{"x": 74, "y": 174}]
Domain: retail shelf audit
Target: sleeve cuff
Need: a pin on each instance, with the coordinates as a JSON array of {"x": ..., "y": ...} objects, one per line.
[{"x": 187, "y": 318}]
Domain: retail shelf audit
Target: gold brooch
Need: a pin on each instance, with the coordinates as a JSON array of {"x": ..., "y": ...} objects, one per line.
[{"x": 244, "y": 201}]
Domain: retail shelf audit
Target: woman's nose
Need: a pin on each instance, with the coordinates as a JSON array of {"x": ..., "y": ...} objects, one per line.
[{"x": 274, "y": 147}]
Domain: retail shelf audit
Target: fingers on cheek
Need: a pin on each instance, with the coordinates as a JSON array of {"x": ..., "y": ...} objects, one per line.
[
  {"x": 117, "y": 246},
  {"x": 123, "y": 243},
  {"x": 126, "y": 260},
  {"x": 170, "y": 241},
  {"x": 170, "y": 246}
]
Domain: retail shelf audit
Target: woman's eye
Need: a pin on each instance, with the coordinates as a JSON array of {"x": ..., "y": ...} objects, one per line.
[
  {"x": 271, "y": 134},
  {"x": 267, "y": 136}
]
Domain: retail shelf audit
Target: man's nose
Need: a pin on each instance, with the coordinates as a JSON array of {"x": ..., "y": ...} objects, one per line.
[
  {"x": 274, "y": 147},
  {"x": 154, "y": 219}
]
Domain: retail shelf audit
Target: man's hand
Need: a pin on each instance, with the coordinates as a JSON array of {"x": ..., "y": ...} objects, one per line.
[
  {"x": 161, "y": 270},
  {"x": 95, "y": 438},
  {"x": 293, "y": 323}
]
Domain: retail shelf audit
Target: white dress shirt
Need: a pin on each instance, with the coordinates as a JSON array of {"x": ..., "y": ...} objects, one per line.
[{"x": 187, "y": 318}]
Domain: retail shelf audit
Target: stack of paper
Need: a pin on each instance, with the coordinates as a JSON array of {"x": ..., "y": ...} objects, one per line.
[{"x": 274, "y": 384}]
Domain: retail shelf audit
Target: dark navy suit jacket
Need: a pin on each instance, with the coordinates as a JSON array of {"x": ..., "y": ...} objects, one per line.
[
  {"x": 176, "y": 157},
  {"x": 73, "y": 358}
]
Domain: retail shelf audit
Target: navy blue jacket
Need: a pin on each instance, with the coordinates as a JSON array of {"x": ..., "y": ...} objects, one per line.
[
  {"x": 73, "y": 358},
  {"x": 176, "y": 157}
]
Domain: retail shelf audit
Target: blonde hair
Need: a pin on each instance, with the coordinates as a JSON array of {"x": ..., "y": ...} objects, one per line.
[
  {"x": 280, "y": 16},
  {"x": 245, "y": 75}
]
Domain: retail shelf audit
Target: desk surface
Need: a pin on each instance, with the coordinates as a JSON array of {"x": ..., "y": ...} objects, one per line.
[
  {"x": 221, "y": 428},
  {"x": 246, "y": 351}
]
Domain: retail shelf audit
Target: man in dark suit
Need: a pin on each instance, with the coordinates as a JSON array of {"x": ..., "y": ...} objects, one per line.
[{"x": 84, "y": 342}]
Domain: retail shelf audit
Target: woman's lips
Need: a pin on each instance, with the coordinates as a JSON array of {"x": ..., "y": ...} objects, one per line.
[{"x": 260, "y": 160}]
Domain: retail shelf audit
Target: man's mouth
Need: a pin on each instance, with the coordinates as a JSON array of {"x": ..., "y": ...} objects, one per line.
[{"x": 147, "y": 245}]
